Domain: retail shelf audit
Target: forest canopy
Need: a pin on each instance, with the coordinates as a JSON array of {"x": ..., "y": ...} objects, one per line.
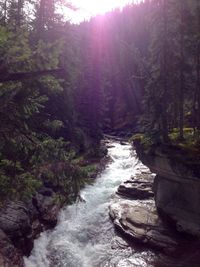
[{"x": 63, "y": 85}]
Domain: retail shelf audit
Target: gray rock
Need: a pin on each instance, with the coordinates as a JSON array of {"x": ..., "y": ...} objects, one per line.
[
  {"x": 22, "y": 222},
  {"x": 139, "y": 186},
  {"x": 179, "y": 203},
  {"x": 119, "y": 243},
  {"x": 142, "y": 224},
  {"x": 136, "y": 260},
  {"x": 9, "y": 255},
  {"x": 103, "y": 150},
  {"x": 123, "y": 143},
  {"x": 15, "y": 220},
  {"x": 176, "y": 186},
  {"x": 47, "y": 207},
  {"x": 136, "y": 189}
]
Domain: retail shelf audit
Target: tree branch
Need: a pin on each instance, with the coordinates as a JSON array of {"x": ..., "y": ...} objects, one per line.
[{"x": 29, "y": 75}]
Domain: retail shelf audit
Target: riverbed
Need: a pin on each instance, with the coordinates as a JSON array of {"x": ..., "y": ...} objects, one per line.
[{"x": 85, "y": 235}]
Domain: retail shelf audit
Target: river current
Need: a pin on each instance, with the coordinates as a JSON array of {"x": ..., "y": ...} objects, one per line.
[{"x": 85, "y": 235}]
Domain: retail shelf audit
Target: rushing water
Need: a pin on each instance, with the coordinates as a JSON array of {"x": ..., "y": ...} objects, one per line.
[{"x": 85, "y": 236}]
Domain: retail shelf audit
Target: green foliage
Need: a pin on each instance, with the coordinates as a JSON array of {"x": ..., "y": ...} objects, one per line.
[
  {"x": 53, "y": 164},
  {"x": 190, "y": 141},
  {"x": 15, "y": 181},
  {"x": 171, "y": 99},
  {"x": 89, "y": 169},
  {"x": 142, "y": 139},
  {"x": 140, "y": 64},
  {"x": 32, "y": 149}
]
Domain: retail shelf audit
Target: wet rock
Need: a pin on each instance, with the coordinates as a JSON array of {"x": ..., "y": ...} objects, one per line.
[
  {"x": 45, "y": 191},
  {"x": 51, "y": 217},
  {"x": 23, "y": 222},
  {"x": 119, "y": 243},
  {"x": 142, "y": 224},
  {"x": 178, "y": 203},
  {"x": 15, "y": 220},
  {"x": 37, "y": 228},
  {"x": 9, "y": 255},
  {"x": 135, "y": 261},
  {"x": 123, "y": 143},
  {"x": 47, "y": 208},
  {"x": 176, "y": 187},
  {"x": 103, "y": 150},
  {"x": 136, "y": 189}
]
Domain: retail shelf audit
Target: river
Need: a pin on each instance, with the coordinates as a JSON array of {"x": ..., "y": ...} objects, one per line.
[{"x": 84, "y": 235}]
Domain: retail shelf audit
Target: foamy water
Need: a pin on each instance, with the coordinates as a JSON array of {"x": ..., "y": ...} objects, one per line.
[{"x": 85, "y": 234}]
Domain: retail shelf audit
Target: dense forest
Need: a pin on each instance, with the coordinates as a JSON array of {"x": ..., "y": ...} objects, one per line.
[{"x": 63, "y": 85}]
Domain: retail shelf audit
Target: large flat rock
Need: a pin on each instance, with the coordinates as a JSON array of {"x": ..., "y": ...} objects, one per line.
[
  {"x": 138, "y": 186},
  {"x": 141, "y": 223},
  {"x": 136, "y": 189}
]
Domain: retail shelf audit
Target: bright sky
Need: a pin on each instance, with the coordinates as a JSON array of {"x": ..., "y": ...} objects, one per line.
[{"x": 88, "y": 8}]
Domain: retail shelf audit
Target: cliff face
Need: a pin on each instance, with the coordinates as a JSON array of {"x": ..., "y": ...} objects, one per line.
[{"x": 176, "y": 185}]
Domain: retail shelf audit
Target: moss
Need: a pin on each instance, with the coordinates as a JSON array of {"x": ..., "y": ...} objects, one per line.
[
  {"x": 90, "y": 169},
  {"x": 78, "y": 160},
  {"x": 137, "y": 137},
  {"x": 190, "y": 144},
  {"x": 186, "y": 151},
  {"x": 188, "y": 133},
  {"x": 142, "y": 139}
]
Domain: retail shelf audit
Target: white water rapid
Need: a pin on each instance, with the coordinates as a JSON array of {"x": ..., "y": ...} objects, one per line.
[{"x": 85, "y": 235}]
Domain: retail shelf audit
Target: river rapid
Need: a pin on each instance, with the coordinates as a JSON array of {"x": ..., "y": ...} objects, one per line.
[{"x": 85, "y": 235}]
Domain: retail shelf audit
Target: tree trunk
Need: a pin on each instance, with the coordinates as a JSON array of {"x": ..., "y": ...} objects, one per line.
[
  {"x": 164, "y": 119},
  {"x": 198, "y": 67},
  {"x": 19, "y": 13},
  {"x": 182, "y": 82},
  {"x": 41, "y": 17},
  {"x": 5, "y": 13}
]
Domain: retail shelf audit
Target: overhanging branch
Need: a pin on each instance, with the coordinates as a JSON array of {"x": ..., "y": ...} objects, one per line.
[{"x": 10, "y": 77}]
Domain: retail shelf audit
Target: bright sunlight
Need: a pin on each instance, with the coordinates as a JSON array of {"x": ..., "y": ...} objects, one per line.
[{"x": 89, "y": 8}]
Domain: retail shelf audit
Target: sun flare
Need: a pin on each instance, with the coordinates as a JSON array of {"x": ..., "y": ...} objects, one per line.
[
  {"x": 88, "y": 8},
  {"x": 101, "y": 6}
]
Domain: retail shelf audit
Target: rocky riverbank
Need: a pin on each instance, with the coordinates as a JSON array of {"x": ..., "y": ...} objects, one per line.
[
  {"x": 176, "y": 185},
  {"x": 136, "y": 216},
  {"x": 22, "y": 222}
]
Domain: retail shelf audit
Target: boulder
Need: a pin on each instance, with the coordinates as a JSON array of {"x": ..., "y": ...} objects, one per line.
[
  {"x": 178, "y": 203},
  {"x": 138, "y": 186},
  {"x": 9, "y": 255},
  {"x": 15, "y": 220},
  {"x": 119, "y": 243},
  {"x": 135, "y": 260},
  {"x": 123, "y": 143},
  {"x": 103, "y": 150},
  {"x": 142, "y": 224},
  {"x": 47, "y": 208},
  {"x": 138, "y": 189},
  {"x": 23, "y": 222}
]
